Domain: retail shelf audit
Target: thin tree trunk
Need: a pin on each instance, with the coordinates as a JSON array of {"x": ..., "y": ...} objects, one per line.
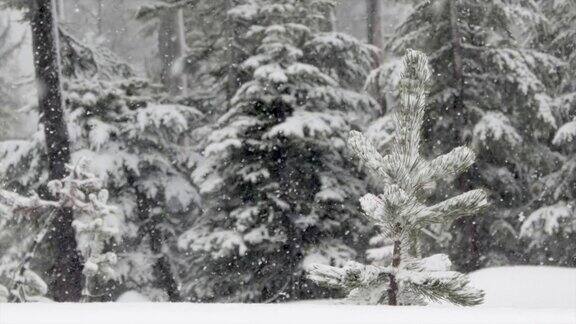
[
  {"x": 171, "y": 48},
  {"x": 66, "y": 284},
  {"x": 460, "y": 122},
  {"x": 163, "y": 273},
  {"x": 234, "y": 56},
  {"x": 457, "y": 62},
  {"x": 393, "y": 285},
  {"x": 374, "y": 15},
  {"x": 61, "y": 11},
  {"x": 100, "y": 19},
  {"x": 328, "y": 25}
]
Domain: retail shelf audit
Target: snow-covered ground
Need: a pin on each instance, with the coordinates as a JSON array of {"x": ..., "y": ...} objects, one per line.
[
  {"x": 527, "y": 287},
  {"x": 523, "y": 295}
]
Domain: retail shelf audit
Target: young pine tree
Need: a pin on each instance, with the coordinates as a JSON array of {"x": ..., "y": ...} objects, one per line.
[
  {"x": 280, "y": 192},
  {"x": 401, "y": 211},
  {"x": 493, "y": 91}
]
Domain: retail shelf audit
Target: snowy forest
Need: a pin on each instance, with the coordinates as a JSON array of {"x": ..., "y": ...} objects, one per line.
[{"x": 373, "y": 152}]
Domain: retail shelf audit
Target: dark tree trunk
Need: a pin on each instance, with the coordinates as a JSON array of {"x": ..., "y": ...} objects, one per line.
[
  {"x": 171, "y": 47},
  {"x": 233, "y": 81},
  {"x": 457, "y": 63},
  {"x": 460, "y": 122},
  {"x": 374, "y": 16},
  {"x": 328, "y": 25},
  {"x": 163, "y": 273},
  {"x": 393, "y": 285},
  {"x": 66, "y": 283}
]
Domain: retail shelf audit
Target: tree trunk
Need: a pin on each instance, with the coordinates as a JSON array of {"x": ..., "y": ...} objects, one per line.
[
  {"x": 329, "y": 22},
  {"x": 234, "y": 56},
  {"x": 460, "y": 122},
  {"x": 374, "y": 16},
  {"x": 66, "y": 284},
  {"x": 171, "y": 48},
  {"x": 61, "y": 11},
  {"x": 457, "y": 65},
  {"x": 393, "y": 285},
  {"x": 163, "y": 273}
]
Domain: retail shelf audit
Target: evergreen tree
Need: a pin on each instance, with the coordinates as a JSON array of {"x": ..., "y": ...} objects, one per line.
[
  {"x": 96, "y": 224},
  {"x": 494, "y": 92},
  {"x": 67, "y": 269},
  {"x": 401, "y": 211},
  {"x": 8, "y": 99},
  {"x": 140, "y": 143},
  {"x": 552, "y": 222},
  {"x": 279, "y": 191}
]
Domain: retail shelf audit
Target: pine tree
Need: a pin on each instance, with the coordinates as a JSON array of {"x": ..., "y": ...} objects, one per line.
[
  {"x": 276, "y": 182},
  {"x": 96, "y": 223},
  {"x": 140, "y": 143},
  {"x": 401, "y": 211},
  {"x": 67, "y": 271},
  {"x": 552, "y": 221},
  {"x": 493, "y": 92}
]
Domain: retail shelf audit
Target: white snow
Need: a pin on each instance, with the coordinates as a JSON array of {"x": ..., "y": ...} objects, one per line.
[
  {"x": 140, "y": 313},
  {"x": 522, "y": 294},
  {"x": 528, "y": 287},
  {"x": 132, "y": 296}
]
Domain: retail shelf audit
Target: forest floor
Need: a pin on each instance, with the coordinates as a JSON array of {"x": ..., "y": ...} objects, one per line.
[{"x": 523, "y": 295}]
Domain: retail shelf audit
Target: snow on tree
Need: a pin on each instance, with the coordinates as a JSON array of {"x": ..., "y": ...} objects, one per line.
[
  {"x": 552, "y": 221},
  {"x": 401, "y": 213},
  {"x": 97, "y": 225},
  {"x": 65, "y": 283},
  {"x": 140, "y": 148},
  {"x": 140, "y": 142},
  {"x": 493, "y": 91},
  {"x": 279, "y": 191}
]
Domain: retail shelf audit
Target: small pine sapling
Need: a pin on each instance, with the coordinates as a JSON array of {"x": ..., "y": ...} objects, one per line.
[{"x": 401, "y": 213}]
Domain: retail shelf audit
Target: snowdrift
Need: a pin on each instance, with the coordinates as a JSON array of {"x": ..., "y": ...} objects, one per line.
[
  {"x": 527, "y": 287},
  {"x": 522, "y": 295}
]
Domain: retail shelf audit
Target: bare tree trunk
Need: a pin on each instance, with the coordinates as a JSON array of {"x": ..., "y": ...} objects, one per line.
[
  {"x": 393, "y": 285},
  {"x": 374, "y": 15},
  {"x": 329, "y": 23},
  {"x": 171, "y": 48},
  {"x": 460, "y": 122},
  {"x": 66, "y": 284},
  {"x": 100, "y": 19},
  {"x": 61, "y": 11},
  {"x": 234, "y": 56},
  {"x": 163, "y": 273},
  {"x": 457, "y": 65}
]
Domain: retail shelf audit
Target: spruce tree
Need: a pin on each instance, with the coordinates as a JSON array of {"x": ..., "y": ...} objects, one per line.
[
  {"x": 139, "y": 142},
  {"x": 551, "y": 222},
  {"x": 492, "y": 91},
  {"x": 401, "y": 210},
  {"x": 279, "y": 191}
]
